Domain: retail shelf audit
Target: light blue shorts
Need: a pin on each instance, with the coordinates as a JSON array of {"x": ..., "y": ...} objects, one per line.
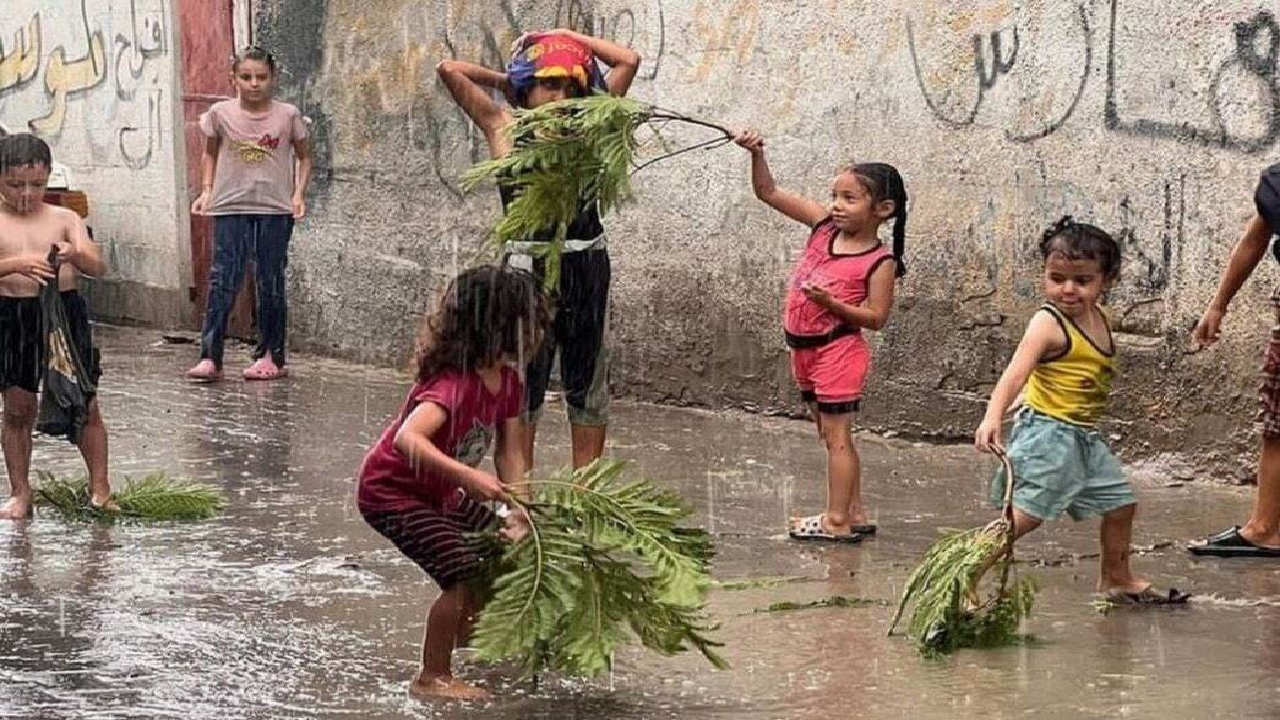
[{"x": 1061, "y": 468}]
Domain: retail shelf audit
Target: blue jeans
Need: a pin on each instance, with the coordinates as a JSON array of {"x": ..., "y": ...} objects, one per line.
[{"x": 236, "y": 238}]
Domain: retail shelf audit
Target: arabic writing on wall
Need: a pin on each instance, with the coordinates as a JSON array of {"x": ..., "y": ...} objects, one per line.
[{"x": 59, "y": 71}]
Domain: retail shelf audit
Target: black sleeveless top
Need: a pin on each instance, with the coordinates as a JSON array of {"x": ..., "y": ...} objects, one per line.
[{"x": 585, "y": 226}]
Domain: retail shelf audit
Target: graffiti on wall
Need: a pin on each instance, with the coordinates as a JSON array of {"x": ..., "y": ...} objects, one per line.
[
  {"x": 959, "y": 75},
  {"x": 1235, "y": 99},
  {"x": 37, "y": 86},
  {"x": 1248, "y": 68}
]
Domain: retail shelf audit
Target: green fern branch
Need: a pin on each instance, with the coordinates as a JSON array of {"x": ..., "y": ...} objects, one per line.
[
  {"x": 603, "y": 558},
  {"x": 567, "y": 156}
]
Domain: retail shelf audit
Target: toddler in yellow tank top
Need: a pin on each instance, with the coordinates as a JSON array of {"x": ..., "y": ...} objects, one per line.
[{"x": 1066, "y": 361}]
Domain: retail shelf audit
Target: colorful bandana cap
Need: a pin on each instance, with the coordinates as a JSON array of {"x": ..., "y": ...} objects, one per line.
[{"x": 549, "y": 55}]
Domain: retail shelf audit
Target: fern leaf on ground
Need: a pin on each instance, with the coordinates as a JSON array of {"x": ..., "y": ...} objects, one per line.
[{"x": 155, "y": 497}]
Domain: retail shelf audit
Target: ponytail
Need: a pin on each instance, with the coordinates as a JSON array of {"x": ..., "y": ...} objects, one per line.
[
  {"x": 900, "y": 237},
  {"x": 884, "y": 182}
]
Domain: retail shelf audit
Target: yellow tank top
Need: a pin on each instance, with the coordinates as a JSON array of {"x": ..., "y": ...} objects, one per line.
[{"x": 1073, "y": 386}]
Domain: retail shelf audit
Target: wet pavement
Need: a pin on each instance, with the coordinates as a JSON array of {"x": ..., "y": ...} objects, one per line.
[{"x": 288, "y": 606}]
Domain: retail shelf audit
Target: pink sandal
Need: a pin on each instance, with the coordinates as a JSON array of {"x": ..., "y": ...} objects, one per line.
[
  {"x": 264, "y": 369},
  {"x": 205, "y": 371}
]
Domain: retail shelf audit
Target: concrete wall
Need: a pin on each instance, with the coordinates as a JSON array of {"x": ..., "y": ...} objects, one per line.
[
  {"x": 1150, "y": 118},
  {"x": 96, "y": 79}
]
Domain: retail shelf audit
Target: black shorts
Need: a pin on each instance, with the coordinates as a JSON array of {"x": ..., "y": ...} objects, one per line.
[
  {"x": 21, "y": 349},
  {"x": 581, "y": 307}
]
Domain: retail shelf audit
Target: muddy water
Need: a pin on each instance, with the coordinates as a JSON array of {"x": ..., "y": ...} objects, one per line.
[{"x": 289, "y": 607}]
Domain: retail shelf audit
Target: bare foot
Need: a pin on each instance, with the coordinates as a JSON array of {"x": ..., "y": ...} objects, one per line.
[
  {"x": 448, "y": 688},
  {"x": 827, "y": 526},
  {"x": 16, "y": 508},
  {"x": 1134, "y": 585},
  {"x": 105, "y": 503},
  {"x": 1260, "y": 539}
]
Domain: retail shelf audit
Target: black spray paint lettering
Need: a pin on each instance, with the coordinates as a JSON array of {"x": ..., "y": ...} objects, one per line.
[
  {"x": 987, "y": 77},
  {"x": 1260, "y": 29},
  {"x": 622, "y": 28},
  {"x": 1000, "y": 65},
  {"x": 138, "y": 49},
  {"x": 142, "y": 159}
]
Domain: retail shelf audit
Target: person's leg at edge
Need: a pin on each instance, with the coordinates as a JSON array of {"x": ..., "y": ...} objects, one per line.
[
  {"x": 588, "y": 443},
  {"x": 19, "y": 421},
  {"x": 93, "y": 448},
  {"x": 446, "y": 618},
  {"x": 810, "y": 402},
  {"x": 528, "y": 432},
  {"x": 229, "y": 254},
  {"x": 582, "y": 331},
  {"x": 1263, "y": 527},
  {"x": 271, "y": 259},
  {"x": 843, "y": 484},
  {"x": 589, "y": 423},
  {"x": 1115, "y": 536}
]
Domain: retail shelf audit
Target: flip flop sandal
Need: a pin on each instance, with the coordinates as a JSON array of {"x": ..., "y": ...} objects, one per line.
[
  {"x": 1230, "y": 543},
  {"x": 1149, "y": 596},
  {"x": 864, "y": 529},
  {"x": 811, "y": 530}
]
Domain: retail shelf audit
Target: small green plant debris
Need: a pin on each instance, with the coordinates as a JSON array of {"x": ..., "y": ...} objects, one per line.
[
  {"x": 1102, "y": 605},
  {"x": 835, "y": 601},
  {"x": 761, "y": 583}
]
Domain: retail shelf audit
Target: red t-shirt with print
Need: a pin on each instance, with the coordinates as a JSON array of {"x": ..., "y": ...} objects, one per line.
[{"x": 388, "y": 481}]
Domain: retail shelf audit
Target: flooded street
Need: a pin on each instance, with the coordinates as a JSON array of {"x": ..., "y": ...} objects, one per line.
[{"x": 289, "y": 606}]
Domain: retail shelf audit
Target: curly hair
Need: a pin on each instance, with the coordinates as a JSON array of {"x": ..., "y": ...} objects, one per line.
[
  {"x": 1081, "y": 241},
  {"x": 487, "y": 313}
]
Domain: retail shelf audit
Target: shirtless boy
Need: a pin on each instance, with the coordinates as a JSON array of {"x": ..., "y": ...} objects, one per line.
[{"x": 29, "y": 229}]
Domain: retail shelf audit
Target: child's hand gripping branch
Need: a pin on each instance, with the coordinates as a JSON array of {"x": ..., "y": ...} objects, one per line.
[{"x": 414, "y": 440}]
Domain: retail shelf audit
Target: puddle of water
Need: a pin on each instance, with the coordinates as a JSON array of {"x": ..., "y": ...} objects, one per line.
[{"x": 289, "y": 607}]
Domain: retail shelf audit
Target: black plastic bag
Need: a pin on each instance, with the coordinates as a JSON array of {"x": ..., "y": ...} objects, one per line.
[{"x": 66, "y": 387}]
